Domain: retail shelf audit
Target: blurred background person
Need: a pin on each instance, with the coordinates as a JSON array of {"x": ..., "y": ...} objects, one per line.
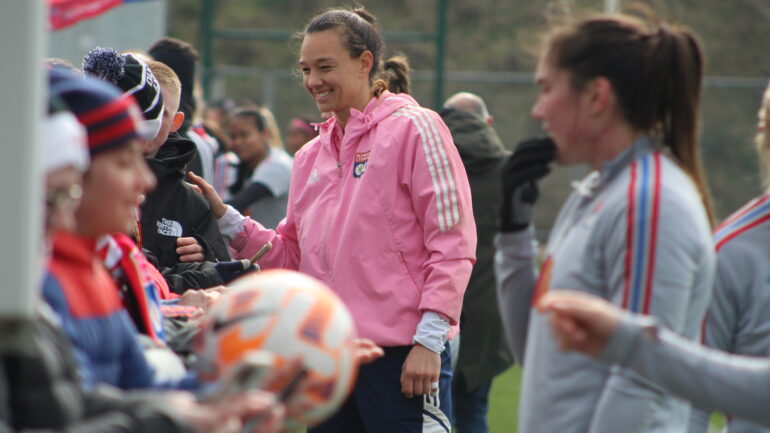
[
  {"x": 737, "y": 320},
  {"x": 271, "y": 125},
  {"x": 299, "y": 131},
  {"x": 482, "y": 351},
  {"x": 261, "y": 187},
  {"x": 620, "y": 94},
  {"x": 182, "y": 58},
  {"x": 215, "y": 114}
]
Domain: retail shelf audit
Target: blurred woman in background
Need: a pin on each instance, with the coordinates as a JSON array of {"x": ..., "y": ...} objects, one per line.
[
  {"x": 261, "y": 185},
  {"x": 621, "y": 95}
]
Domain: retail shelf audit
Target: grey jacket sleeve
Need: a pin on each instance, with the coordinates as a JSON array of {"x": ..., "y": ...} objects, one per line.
[
  {"x": 708, "y": 378},
  {"x": 515, "y": 274},
  {"x": 721, "y": 323}
]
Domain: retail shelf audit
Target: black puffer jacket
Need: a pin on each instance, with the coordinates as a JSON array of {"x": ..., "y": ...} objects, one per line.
[
  {"x": 173, "y": 209},
  {"x": 190, "y": 275}
]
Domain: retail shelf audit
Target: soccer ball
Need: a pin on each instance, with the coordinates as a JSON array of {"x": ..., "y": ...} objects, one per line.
[{"x": 291, "y": 316}]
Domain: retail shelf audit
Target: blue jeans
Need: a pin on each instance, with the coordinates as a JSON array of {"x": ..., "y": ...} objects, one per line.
[{"x": 470, "y": 407}]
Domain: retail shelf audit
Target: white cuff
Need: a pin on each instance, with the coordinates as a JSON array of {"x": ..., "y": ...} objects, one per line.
[
  {"x": 231, "y": 223},
  {"x": 432, "y": 331}
]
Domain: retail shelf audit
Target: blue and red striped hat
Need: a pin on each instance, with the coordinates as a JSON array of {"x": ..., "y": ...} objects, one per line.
[{"x": 111, "y": 118}]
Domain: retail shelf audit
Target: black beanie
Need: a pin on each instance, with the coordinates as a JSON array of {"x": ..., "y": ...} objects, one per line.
[
  {"x": 183, "y": 63},
  {"x": 131, "y": 75}
]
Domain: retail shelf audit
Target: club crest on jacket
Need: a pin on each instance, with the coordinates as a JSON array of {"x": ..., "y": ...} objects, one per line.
[{"x": 359, "y": 164}]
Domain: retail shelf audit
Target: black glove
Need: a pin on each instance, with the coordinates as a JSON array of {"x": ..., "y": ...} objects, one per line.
[
  {"x": 521, "y": 172},
  {"x": 232, "y": 270}
]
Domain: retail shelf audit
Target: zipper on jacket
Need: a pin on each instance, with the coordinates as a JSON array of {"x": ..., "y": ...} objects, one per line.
[{"x": 339, "y": 168}]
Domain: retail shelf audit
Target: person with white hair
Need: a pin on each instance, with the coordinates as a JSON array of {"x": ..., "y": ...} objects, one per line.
[{"x": 482, "y": 351}]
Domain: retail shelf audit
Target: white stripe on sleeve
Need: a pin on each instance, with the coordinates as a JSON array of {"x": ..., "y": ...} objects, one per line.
[
  {"x": 438, "y": 166},
  {"x": 452, "y": 193}
]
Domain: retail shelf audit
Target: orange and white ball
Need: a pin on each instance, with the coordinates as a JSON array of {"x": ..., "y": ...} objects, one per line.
[{"x": 292, "y": 316}]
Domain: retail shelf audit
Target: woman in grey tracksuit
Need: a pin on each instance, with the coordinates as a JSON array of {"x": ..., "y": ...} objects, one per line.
[
  {"x": 737, "y": 319},
  {"x": 621, "y": 96}
]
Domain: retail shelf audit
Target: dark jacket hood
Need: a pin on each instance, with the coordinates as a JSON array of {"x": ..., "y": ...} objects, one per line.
[
  {"x": 173, "y": 156},
  {"x": 478, "y": 144}
]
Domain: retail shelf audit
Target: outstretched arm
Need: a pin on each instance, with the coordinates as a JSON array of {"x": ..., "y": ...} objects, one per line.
[
  {"x": 516, "y": 276},
  {"x": 516, "y": 245},
  {"x": 247, "y": 236},
  {"x": 708, "y": 378}
]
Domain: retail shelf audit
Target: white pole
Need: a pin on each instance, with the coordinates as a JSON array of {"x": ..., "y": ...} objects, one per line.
[
  {"x": 22, "y": 87},
  {"x": 611, "y": 6}
]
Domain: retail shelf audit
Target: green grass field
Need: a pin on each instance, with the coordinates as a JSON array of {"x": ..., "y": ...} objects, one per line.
[{"x": 504, "y": 404}]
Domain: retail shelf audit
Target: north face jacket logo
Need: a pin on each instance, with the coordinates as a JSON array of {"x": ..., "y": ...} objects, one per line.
[{"x": 169, "y": 227}]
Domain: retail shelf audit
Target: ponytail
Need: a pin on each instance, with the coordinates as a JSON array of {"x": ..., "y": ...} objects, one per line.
[
  {"x": 681, "y": 54},
  {"x": 394, "y": 76},
  {"x": 656, "y": 74}
]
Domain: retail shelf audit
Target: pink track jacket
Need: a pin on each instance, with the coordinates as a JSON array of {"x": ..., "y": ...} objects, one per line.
[{"x": 381, "y": 214}]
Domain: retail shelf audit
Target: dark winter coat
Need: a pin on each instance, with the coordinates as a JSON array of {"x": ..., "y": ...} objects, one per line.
[
  {"x": 483, "y": 349},
  {"x": 40, "y": 391},
  {"x": 173, "y": 209}
]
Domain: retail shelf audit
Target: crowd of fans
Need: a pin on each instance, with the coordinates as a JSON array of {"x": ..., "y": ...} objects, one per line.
[{"x": 419, "y": 221}]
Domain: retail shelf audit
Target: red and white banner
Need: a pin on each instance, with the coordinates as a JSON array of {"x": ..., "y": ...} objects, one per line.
[{"x": 64, "y": 13}]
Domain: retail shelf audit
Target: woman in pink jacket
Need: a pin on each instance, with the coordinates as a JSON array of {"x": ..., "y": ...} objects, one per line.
[{"x": 380, "y": 210}]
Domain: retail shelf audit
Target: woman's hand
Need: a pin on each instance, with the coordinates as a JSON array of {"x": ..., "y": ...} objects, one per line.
[
  {"x": 420, "y": 372},
  {"x": 218, "y": 207},
  {"x": 579, "y": 321},
  {"x": 366, "y": 351}
]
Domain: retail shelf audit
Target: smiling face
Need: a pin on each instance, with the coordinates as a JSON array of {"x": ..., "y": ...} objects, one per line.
[
  {"x": 246, "y": 141},
  {"x": 112, "y": 190},
  {"x": 562, "y": 111},
  {"x": 336, "y": 81},
  {"x": 296, "y": 138}
]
